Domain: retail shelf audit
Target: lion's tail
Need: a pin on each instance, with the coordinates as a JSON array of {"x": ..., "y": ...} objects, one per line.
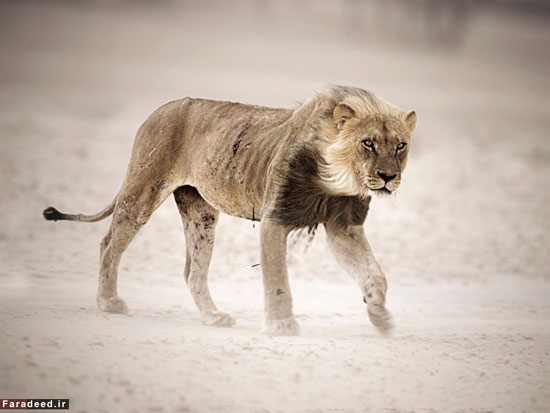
[{"x": 52, "y": 214}]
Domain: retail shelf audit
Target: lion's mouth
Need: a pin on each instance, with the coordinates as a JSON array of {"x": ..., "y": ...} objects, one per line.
[{"x": 382, "y": 190}]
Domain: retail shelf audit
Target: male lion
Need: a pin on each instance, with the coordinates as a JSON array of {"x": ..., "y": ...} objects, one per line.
[{"x": 289, "y": 169}]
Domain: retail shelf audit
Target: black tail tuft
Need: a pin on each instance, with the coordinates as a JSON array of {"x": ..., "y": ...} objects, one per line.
[{"x": 52, "y": 214}]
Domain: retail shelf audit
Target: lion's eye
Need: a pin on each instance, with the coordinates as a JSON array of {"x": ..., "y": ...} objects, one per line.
[
  {"x": 367, "y": 143},
  {"x": 401, "y": 145}
]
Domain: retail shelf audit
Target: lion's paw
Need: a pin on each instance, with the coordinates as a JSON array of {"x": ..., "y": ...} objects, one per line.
[
  {"x": 217, "y": 319},
  {"x": 112, "y": 304},
  {"x": 285, "y": 327},
  {"x": 381, "y": 318},
  {"x": 375, "y": 291}
]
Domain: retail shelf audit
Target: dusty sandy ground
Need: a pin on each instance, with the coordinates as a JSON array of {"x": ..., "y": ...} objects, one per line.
[{"x": 464, "y": 243}]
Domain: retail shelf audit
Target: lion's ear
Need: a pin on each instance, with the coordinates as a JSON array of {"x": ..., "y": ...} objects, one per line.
[
  {"x": 341, "y": 114},
  {"x": 410, "y": 120}
]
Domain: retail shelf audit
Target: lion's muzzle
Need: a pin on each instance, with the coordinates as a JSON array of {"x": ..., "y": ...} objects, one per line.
[{"x": 386, "y": 177}]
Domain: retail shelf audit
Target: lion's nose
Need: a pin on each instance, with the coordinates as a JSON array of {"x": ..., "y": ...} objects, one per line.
[{"x": 386, "y": 177}]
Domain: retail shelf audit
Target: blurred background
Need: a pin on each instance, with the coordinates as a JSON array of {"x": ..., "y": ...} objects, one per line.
[{"x": 77, "y": 79}]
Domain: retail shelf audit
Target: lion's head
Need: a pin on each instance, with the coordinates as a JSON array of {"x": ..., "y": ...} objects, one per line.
[{"x": 367, "y": 145}]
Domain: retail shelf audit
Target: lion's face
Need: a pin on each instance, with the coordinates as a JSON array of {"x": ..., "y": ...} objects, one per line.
[
  {"x": 368, "y": 154},
  {"x": 381, "y": 148}
]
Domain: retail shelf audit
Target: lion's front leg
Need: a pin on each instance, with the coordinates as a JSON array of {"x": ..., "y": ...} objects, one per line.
[
  {"x": 353, "y": 253},
  {"x": 279, "y": 320}
]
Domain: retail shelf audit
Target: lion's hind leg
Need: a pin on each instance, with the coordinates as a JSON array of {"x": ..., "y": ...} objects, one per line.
[
  {"x": 134, "y": 206},
  {"x": 199, "y": 221}
]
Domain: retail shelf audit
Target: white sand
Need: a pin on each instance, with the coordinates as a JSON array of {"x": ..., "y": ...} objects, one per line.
[{"x": 464, "y": 243}]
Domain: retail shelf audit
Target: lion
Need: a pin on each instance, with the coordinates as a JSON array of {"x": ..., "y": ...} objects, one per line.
[{"x": 289, "y": 169}]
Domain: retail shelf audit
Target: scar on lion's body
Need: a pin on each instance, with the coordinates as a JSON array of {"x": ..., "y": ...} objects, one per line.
[
  {"x": 240, "y": 137},
  {"x": 158, "y": 186},
  {"x": 208, "y": 220}
]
